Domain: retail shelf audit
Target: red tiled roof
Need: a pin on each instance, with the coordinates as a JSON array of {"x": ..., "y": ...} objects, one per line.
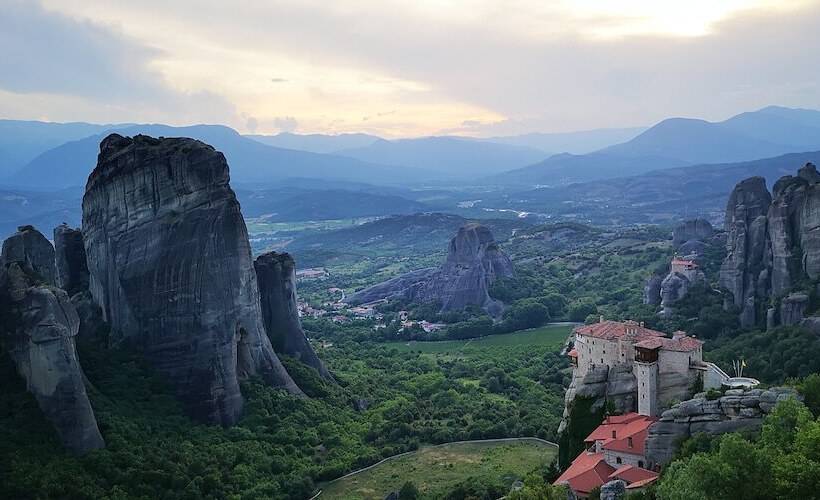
[
  {"x": 612, "y": 330},
  {"x": 680, "y": 344},
  {"x": 641, "y": 483},
  {"x": 632, "y": 474},
  {"x": 573, "y": 353},
  {"x": 612, "y": 423},
  {"x": 631, "y": 425},
  {"x": 587, "y": 472},
  {"x": 622, "y": 444}
]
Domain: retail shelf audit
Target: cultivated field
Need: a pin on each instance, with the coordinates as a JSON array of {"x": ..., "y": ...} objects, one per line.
[
  {"x": 435, "y": 470},
  {"x": 550, "y": 336}
]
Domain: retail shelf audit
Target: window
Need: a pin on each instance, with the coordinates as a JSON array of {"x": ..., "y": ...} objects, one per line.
[
  {"x": 613, "y": 435},
  {"x": 640, "y": 464},
  {"x": 602, "y": 360},
  {"x": 618, "y": 460},
  {"x": 629, "y": 441}
]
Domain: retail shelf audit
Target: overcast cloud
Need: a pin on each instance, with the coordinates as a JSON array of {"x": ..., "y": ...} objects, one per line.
[{"x": 405, "y": 68}]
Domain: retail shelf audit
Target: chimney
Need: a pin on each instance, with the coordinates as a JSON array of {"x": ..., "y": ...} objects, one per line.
[
  {"x": 678, "y": 335},
  {"x": 641, "y": 324},
  {"x": 601, "y": 318}
]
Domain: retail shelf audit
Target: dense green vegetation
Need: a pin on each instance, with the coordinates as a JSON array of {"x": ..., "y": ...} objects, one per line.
[
  {"x": 782, "y": 462},
  {"x": 388, "y": 401}
]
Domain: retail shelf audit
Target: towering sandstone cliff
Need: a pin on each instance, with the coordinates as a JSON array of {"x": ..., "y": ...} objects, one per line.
[
  {"x": 38, "y": 324},
  {"x": 276, "y": 273},
  {"x": 773, "y": 246},
  {"x": 474, "y": 262},
  {"x": 171, "y": 268}
]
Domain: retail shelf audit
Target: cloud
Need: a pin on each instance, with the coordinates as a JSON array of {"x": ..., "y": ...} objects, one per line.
[
  {"x": 49, "y": 60},
  {"x": 279, "y": 80},
  {"x": 251, "y": 124},
  {"x": 285, "y": 123},
  {"x": 517, "y": 66}
]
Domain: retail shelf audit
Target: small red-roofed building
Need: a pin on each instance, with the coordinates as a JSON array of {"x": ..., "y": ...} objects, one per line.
[
  {"x": 587, "y": 472},
  {"x": 614, "y": 450}
]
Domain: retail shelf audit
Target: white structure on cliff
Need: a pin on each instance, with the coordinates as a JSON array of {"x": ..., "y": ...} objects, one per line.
[{"x": 665, "y": 369}]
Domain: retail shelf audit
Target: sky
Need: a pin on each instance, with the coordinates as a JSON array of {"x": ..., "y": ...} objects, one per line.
[{"x": 405, "y": 68}]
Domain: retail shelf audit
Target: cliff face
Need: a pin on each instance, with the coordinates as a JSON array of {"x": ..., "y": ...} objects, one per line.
[
  {"x": 276, "y": 273},
  {"x": 170, "y": 266},
  {"x": 602, "y": 384},
  {"x": 736, "y": 410},
  {"x": 695, "y": 229},
  {"x": 37, "y": 330},
  {"x": 474, "y": 261},
  {"x": 773, "y": 243}
]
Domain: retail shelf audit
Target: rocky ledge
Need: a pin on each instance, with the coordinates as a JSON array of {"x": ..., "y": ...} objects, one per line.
[{"x": 735, "y": 410}]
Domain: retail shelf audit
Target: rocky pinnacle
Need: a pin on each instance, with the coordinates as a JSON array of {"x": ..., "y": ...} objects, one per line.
[{"x": 171, "y": 268}]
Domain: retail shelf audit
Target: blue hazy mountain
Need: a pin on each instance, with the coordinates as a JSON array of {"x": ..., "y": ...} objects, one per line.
[
  {"x": 251, "y": 162},
  {"x": 316, "y": 143},
  {"x": 580, "y": 142},
  {"x": 449, "y": 156},
  {"x": 21, "y": 141}
]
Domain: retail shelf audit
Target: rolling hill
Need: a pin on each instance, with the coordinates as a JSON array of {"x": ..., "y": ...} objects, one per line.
[{"x": 656, "y": 196}]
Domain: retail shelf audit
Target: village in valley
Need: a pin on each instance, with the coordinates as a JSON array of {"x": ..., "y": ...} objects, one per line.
[{"x": 340, "y": 312}]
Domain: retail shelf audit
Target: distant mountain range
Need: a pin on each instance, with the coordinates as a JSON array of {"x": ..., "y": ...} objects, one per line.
[
  {"x": 676, "y": 142},
  {"x": 450, "y": 156},
  {"x": 250, "y": 161},
  {"x": 22, "y": 141},
  {"x": 48, "y": 156}
]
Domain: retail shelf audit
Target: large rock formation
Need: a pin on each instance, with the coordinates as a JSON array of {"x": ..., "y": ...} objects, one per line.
[
  {"x": 33, "y": 251},
  {"x": 37, "y": 330},
  {"x": 695, "y": 229},
  {"x": 276, "y": 273},
  {"x": 171, "y": 268},
  {"x": 474, "y": 262},
  {"x": 72, "y": 268},
  {"x": 773, "y": 244},
  {"x": 735, "y": 410},
  {"x": 744, "y": 272}
]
